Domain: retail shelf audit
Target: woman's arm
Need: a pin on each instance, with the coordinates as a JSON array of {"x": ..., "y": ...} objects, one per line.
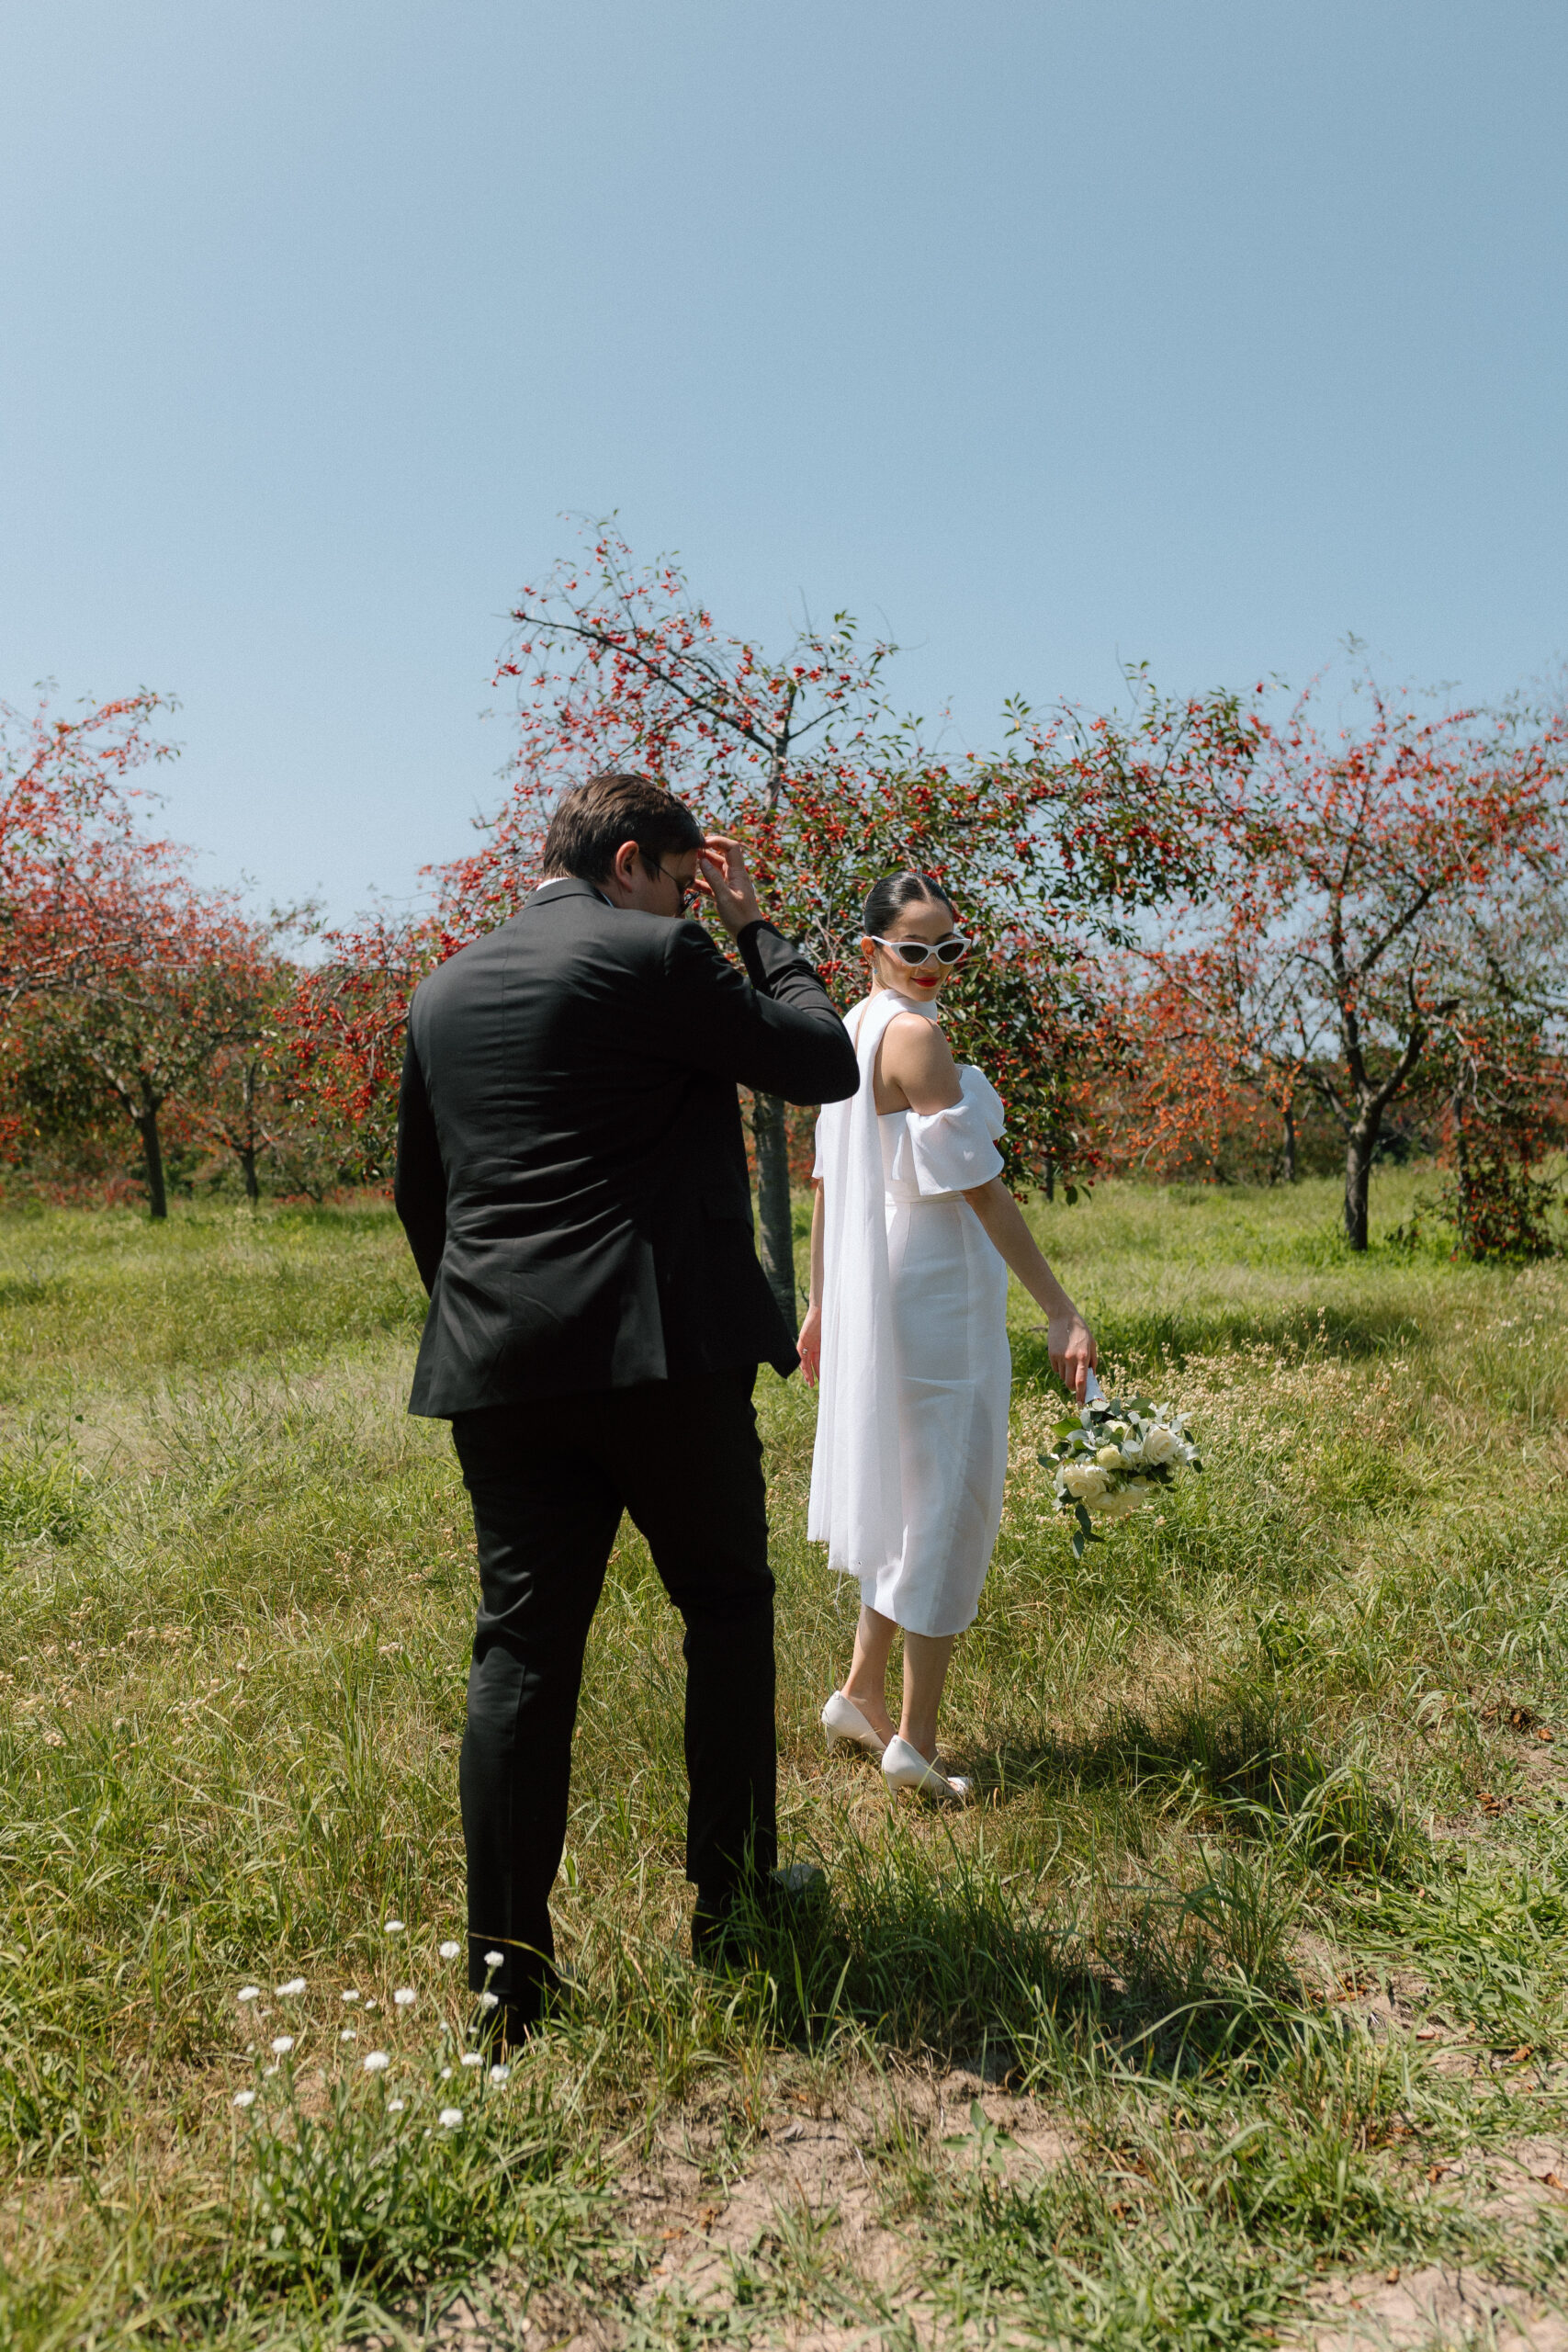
[
  {"x": 1071, "y": 1342},
  {"x": 918, "y": 1064},
  {"x": 810, "y": 1341}
]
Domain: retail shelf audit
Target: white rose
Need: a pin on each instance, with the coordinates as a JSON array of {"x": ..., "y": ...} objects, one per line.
[
  {"x": 1111, "y": 1455},
  {"x": 1083, "y": 1480},
  {"x": 1159, "y": 1445},
  {"x": 1112, "y": 1508}
]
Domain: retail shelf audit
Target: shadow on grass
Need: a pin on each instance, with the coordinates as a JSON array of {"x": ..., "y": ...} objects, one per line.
[
  {"x": 931, "y": 1953},
  {"x": 1157, "y": 1339},
  {"x": 1246, "y": 1765}
]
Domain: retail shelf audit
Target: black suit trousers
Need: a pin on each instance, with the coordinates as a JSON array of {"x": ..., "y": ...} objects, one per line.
[{"x": 548, "y": 1480}]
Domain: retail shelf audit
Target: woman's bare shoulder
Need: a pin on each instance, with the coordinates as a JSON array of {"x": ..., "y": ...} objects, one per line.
[
  {"x": 917, "y": 1057},
  {"x": 914, "y": 1036}
]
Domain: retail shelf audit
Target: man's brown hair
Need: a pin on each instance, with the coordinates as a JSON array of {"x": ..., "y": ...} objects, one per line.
[{"x": 591, "y": 823}]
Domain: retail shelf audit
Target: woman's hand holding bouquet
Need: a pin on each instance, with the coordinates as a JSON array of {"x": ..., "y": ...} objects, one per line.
[{"x": 1113, "y": 1458}]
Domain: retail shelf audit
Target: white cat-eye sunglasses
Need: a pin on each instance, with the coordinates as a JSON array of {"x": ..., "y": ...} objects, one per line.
[{"x": 916, "y": 952}]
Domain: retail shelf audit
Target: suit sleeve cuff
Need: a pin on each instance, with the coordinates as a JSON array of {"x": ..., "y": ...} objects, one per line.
[{"x": 747, "y": 939}]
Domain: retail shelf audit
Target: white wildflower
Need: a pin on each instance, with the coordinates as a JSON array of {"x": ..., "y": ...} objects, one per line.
[
  {"x": 393, "y": 1927},
  {"x": 349, "y": 2033},
  {"x": 449, "y": 2118},
  {"x": 446, "y": 2073},
  {"x": 404, "y": 1996},
  {"x": 349, "y": 1995},
  {"x": 282, "y": 2044},
  {"x": 494, "y": 1959},
  {"x": 490, "y": 2001},
  {"x": 375, "y": 2061},
  {"x": 295, "y": 1985},
  {"x": 449, "y": 1950},
  {"x": 473, "y": 2058},
  {"x": 394, "y": 2106},
  {"x": 249, "y": 1992},
  {"x": 501, "y": 2074},
  {"x": 244, "y": 2099}
]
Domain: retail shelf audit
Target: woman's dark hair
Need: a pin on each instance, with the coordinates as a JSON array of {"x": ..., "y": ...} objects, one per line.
[
  {"x": 894, "y": 893},
  {"x": 592, "y": 820}
]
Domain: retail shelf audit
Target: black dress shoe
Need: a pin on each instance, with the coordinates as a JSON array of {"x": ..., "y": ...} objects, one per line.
[
  {"x": 732, "y": 1925},
  {"x": 508, "y": 2024}
]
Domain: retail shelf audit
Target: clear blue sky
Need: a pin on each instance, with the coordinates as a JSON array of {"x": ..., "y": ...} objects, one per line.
[{"x": 1040, "y": 335}]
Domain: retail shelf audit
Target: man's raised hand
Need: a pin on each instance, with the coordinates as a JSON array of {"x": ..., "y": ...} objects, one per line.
[{"x": 721, "y": 871}]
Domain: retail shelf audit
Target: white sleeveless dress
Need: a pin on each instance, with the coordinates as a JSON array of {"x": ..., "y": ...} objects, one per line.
[{"x": 910, "y": 1457}]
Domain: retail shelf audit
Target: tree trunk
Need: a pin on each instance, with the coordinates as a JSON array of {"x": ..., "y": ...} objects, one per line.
[
  {"x": 1288, "y": 1164},
  {"x": 776, "y": 1237},
  {"x": 152, "y": 1152},
  {"x": 248, "y": 1153},
  {"x": 1358, "y": 1147},
  {"x": 1050, "y": 1179}
]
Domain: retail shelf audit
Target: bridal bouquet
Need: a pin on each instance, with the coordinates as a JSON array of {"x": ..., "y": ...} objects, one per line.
[{"x": 1114, "y": 1458}]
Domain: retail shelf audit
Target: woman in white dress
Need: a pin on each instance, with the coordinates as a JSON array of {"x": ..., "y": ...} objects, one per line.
[{"x": 912, "y": 1234}]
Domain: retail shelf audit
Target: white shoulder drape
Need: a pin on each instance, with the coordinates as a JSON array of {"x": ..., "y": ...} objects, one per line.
[
  {"x": 936, "y": 1153},
  {"x": 857, "y": 1502}
]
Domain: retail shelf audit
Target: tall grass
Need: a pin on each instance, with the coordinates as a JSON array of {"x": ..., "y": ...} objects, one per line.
[{"x": 1284, "y": 1745}]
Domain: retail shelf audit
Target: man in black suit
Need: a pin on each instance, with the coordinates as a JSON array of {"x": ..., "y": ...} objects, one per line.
[{"x": 571, "y": 1176}]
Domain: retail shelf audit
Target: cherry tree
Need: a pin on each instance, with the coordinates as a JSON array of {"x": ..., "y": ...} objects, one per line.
[
  {"x": 1354, "y": 875},
  {"x": 337, "y": 1039},
  {"x": 136, "y": 1029},
  {"x": 1498, "y": 1074},
  {"x": 68, "y": 833},
  {"x": 1182, "y": 1099}
]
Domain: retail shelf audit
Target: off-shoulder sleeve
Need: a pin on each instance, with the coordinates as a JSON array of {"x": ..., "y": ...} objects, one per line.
[{"x": 953, "y": 1151}]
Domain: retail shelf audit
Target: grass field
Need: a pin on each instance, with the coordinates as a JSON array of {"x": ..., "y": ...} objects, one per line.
[{"x": 1236, "y": 2010}]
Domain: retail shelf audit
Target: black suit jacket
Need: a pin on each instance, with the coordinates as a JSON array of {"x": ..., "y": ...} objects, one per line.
[{"x": 571, "y": 1173}]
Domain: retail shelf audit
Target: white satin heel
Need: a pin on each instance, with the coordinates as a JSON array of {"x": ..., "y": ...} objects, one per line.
[
  {"x": 842, "y": 1721},
  {"x": 903, "y": 1767}
]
